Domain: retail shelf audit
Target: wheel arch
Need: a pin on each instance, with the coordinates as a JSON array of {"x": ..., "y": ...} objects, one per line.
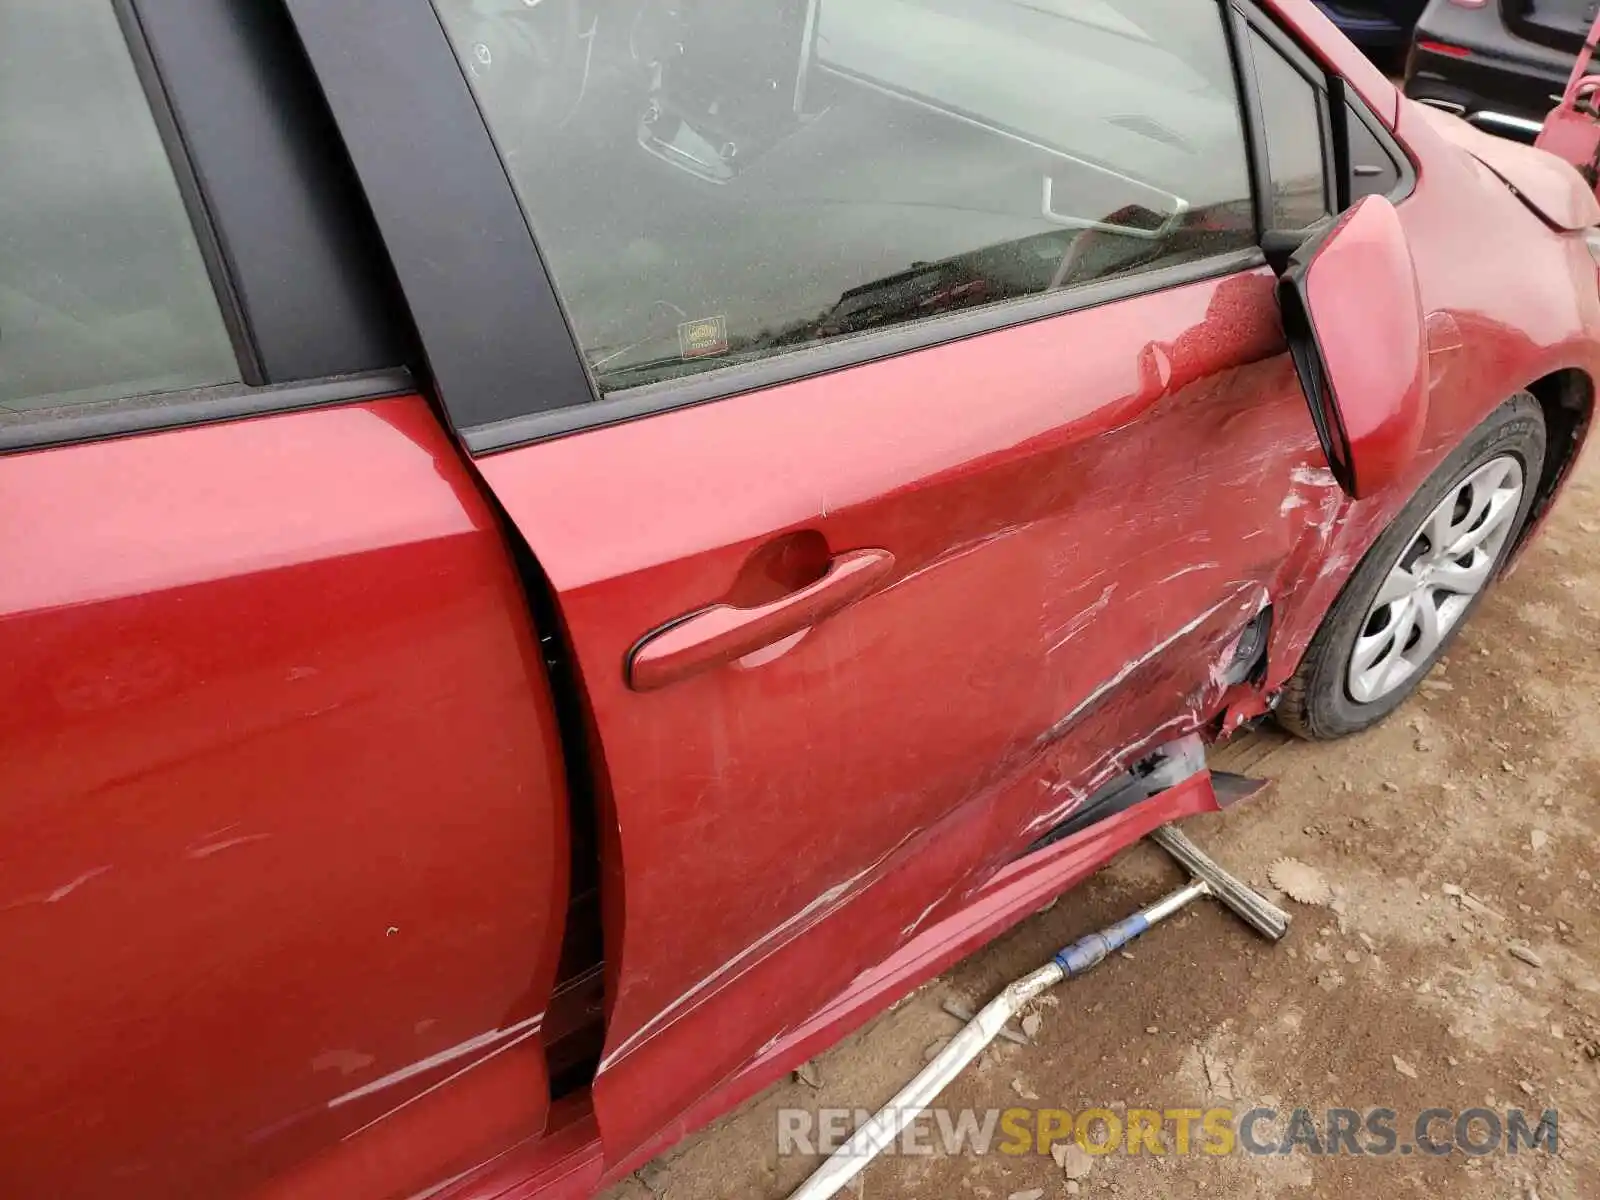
[{"x": 1567, "y": 400}]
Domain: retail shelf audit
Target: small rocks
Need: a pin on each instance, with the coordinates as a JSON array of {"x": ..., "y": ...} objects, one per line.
[
  {"x": 1470, "y": 902},
  {"x": 1073, "y": 1159},
  {"x": 1404, "y": 1067},
  {"x": 1030, "y": 1194},
  {"x": 808, "y": 1074},
  {"x": 1524, "y": 954},
  {"x": 1152, "y": 1029},
  {"x": 934, "y": 1049},
  {"x": 1031, "y": 1025},
  {"x": 654, "y": 1177},
  {"x": 1023, "y": 1090},
  {"x": 1538, "y": 839},
  {"x": 957, "y": 1010},
  {"x": 1473, "y": 904}
]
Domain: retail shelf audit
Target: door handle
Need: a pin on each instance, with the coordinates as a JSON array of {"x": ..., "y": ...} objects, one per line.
[{"x": 720, "y": 634}]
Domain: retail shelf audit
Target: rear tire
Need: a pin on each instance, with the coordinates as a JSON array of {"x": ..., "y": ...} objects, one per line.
[{"x": 1421, "y": 580}]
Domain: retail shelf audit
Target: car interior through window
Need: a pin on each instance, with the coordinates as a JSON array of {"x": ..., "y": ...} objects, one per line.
[{"x": 714, "y": 182}]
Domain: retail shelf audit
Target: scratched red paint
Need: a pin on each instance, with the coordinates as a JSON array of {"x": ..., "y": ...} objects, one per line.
[{"x": 280, "y": 782}]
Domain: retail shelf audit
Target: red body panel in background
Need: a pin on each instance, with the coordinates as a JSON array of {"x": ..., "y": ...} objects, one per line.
[{"x": 283, "y": 849}]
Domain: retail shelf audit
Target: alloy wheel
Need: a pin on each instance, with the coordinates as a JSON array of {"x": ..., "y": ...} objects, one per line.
[{"x": 1429, "y": 588}]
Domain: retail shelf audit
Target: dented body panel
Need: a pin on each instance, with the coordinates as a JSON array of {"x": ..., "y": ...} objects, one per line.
[
  {"x": 398, "y": 805},
  {"x": 1075, "y": 555}
]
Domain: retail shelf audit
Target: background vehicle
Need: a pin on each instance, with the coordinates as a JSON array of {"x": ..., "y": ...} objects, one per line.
[
  {"x": 573, "y": 553},
  {"x": 1502, "y": 64},
  {"x": 1380, "y": 27}
]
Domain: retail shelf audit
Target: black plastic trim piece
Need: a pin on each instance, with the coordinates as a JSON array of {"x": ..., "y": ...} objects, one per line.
[
  {"x": 1250, "y": 115},
  {"x": 1163, "y": 768},
  {"x": 575, "y": 1059},
  {"x": 1310, "y": 364},
  {"x": 1391, "y": 146},
  {"x": 498, "y": 343},
  {"x": 183, "y": 170},
  {"x": 1332, "y": 91},
  {"x": 849, "y": 352},
  {"x": 303, "y": 265},
  {"x": 496, "y": 340},
  {"x": 1339, "y": 97},
  {"x": 1252, "y": 21},
  {"x": 33, "y": 430}
]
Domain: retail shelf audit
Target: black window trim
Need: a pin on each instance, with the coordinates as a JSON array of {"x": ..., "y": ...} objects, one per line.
[
  {"x": 492, "y": 330},
  {"x": 1333, "y": 94},
  {"x": 155, "y": 412},
  {"x": 499, "y": 346},
  {"x": 234, "y": 321},
  {"x": 794, "y": 366},
  {"x": 1387, "y": 142},
  {"x": 267, "y": 184},
  {"x": 1249, "y": 20}
]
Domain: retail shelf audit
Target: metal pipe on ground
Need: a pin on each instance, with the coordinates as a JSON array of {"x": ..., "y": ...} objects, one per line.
[{"x": 1082, "y": 956}]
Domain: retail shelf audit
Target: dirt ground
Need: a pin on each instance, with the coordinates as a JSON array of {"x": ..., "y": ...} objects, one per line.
[{"x": 1401, "y": 993}]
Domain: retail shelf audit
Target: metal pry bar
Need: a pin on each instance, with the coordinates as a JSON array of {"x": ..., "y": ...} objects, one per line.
[
  {"x": 1249, "y": 905},
  {"x": 1206, "y": 879}
]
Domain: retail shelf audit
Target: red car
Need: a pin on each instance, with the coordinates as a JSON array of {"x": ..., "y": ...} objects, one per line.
[{"x": 559, "y": 555}]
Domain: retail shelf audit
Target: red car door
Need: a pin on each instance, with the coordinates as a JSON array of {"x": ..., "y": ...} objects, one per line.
[
  {"x": 930, "y": 444},
  {"x": 1064, "y": 593},
  {"x": 283, "y": 824}
]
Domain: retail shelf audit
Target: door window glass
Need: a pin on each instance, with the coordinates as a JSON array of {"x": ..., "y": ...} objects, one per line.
[
  {"x": 1291, "y": 113},
  {"x": 716, "y": 181},
  {"x": 103, "y": 292}
]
